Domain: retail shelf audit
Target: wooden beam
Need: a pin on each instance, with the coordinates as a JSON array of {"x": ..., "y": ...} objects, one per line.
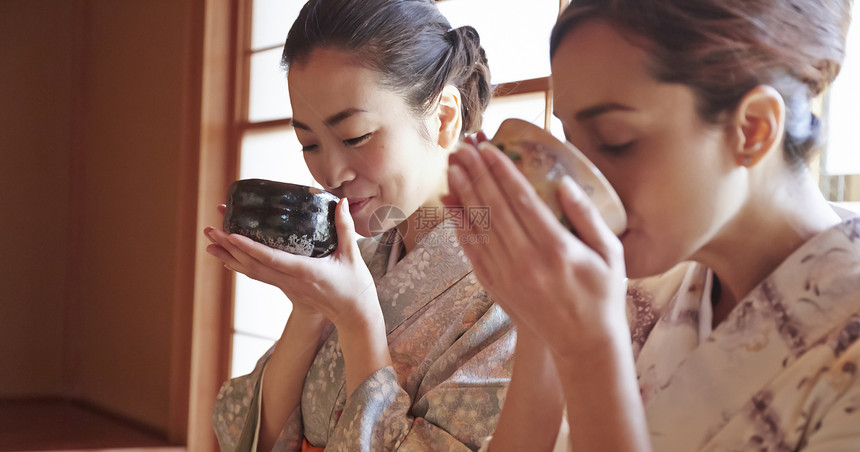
[
  {"x": 212, "y": 295},
  {"x": 521, "y": 87}
]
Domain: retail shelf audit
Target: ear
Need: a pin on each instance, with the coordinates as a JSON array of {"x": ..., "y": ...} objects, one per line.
[
  {"x": 448, "y": 116},
  {"x": 757, "y": 125}
]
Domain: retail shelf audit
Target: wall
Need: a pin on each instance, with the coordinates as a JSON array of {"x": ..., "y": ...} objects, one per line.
[
  {"x": 93, "y": 167},
  {"x": 35, "y": 141},
  {"x": 131, "y": 134}
]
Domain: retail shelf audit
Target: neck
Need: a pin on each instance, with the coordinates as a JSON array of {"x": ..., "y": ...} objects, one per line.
[
  {"x": 417, "y": 225},
  {"x": 426, "y": 217},
  {"x": 761, "y": 236}
]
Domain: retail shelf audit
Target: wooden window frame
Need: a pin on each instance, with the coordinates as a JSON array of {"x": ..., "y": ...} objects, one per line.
[{"x": 215, "y": 145}]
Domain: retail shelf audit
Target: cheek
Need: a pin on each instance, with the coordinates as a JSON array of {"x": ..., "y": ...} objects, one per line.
[
  {"x": 378, "y": 164},
  {"x": 313, "y": 164},
  {"x": 405, "y": 155}
]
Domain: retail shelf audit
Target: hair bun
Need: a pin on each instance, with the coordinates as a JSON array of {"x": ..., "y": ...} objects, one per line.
[{"x": 470, "y": 72}]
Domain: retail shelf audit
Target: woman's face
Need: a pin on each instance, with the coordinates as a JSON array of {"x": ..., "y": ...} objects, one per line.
[
  {"x": 361, "y": 140},
  {"x": 673, "y": 171}
]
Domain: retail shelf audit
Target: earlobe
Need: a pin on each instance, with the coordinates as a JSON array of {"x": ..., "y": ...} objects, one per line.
[
  {"x": 759, "y": 124},
  {"x": 449, "y": 119}
]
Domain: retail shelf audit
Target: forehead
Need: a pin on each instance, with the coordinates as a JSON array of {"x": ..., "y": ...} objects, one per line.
[
  {"x": 329, "y": 81},
  {"x": 594, "y": 63}
]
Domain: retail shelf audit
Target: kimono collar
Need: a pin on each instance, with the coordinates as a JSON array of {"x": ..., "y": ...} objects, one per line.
[
  {"x": 808, "y": 298},
  {"x": 435, "y": 264}
]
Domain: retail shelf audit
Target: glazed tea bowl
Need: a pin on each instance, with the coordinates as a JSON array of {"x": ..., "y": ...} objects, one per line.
[{"x": 294, "y": 218}]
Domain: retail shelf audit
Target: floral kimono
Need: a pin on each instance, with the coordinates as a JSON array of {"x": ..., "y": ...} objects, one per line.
[
  {"x": 451, "y": 349},
  {"x": 779, "y": 374}
]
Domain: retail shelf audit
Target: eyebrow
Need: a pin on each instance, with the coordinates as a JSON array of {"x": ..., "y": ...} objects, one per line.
[
  {"x": 332, "y": 120},
  {"x": 597, "y": 110}
]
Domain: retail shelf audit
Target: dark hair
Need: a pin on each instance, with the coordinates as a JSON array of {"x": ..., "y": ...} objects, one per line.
[
  {"x": 408, "y": 42},
  {"x": 723, "y": 48}
]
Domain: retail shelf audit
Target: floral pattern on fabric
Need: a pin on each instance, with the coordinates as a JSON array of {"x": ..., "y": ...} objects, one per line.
[
  {"x": 778, "y": 373},
  {"x": 236, "y": 408},
  {"x": 781, "y": 373},
  {"x": 451, "y": 349}
]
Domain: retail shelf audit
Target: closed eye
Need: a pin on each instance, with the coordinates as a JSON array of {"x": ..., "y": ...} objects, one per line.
[
  {"x": 616, "y": 148},
  {"x": 353, "y": 142},
  {"x": 309, "y": 148}
]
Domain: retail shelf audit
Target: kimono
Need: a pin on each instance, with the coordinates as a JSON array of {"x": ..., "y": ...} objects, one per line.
[
  {"x": 451, "y": 349},
  {"x": 780, "y": 373}
]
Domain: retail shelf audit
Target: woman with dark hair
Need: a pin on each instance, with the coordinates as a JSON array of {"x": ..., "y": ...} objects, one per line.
[
  {"x": 391, "y": 344},
  {"x": 699, "y": 113}
]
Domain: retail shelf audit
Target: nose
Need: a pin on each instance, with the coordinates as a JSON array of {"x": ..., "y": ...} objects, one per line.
[{"x": 338, "y": 167}]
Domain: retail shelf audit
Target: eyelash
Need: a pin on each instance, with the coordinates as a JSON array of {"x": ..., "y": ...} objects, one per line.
[
  {"x": 616, "y": 149},
  {"x": 351, "y": 142}
]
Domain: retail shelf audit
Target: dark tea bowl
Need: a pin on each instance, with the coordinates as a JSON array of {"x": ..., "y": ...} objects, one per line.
[{"x": 293, "y": 218}]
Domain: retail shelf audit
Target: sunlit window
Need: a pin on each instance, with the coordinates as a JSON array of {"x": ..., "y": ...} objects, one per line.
[
  {"x": 840, "y": 160},
  {"x": 515, "y": 35}
]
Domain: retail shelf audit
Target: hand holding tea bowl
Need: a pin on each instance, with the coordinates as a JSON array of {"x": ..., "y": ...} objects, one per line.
[
  {"x": 545, "y": 160},
  {"x": 299, "y": 239},
  {"x": 553, "y": 230}
]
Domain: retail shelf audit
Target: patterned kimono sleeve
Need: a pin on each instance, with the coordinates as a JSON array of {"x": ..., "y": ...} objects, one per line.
[
  {"x": 377, "y": 417},
  {"x": 236, "y": 415},
  {"x": 458, "y": 407},
  {"x": 839, "y": 428}
]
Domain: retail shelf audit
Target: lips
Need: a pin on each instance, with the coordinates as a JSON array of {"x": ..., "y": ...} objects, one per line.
[{"x": 355, "y": 205}]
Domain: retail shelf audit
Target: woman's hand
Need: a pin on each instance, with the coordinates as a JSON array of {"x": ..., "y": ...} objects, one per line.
[
  {"x": 338, "y": 286},
  {"x": 569, "y": 289}
]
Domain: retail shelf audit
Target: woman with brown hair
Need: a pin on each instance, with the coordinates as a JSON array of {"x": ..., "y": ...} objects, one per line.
[
  {"x": 391, "y": 344},
  {"x": 699, "y": 113}
]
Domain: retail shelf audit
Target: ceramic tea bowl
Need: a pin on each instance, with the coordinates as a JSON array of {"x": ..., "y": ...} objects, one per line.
[
  {"x": 544, "y": 160},
  {"x": 294, "y": 218}
]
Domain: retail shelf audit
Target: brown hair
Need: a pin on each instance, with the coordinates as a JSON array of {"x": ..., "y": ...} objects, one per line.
[
  {"x": 723, "y": 48},
  {"x": 408, "y": 42}
]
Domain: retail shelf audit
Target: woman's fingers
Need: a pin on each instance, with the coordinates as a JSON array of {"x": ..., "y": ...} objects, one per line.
[
  {"x": 587, "y": 221},
  {"x": 461, "y": 192},
  {"x": 223, "y": 240},
  {"x": 222, "y": 254},
  {"x": 254, "y": 259},
  {"x": 239, "y": 261},
  {"x": 463, "y": 196},
  {"x": 256, "y": 256},
  {"x": 478, "y": 242},
  {"x": 451, "y": 200},
  {"x": 347, "y": 238},
  {"x": 481, "y": 190},
  {"x": 271, "y": 265}
]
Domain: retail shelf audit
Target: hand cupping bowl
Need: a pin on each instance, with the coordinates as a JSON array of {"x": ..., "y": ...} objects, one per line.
[
  {"x": 293, "y": 218},
  {"x": 544, "y": 160}
]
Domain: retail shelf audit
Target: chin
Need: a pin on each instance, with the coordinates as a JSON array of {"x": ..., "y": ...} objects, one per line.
[
  {"x": 648, "y": 264},
  {"x": 361, "y": 227}
]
